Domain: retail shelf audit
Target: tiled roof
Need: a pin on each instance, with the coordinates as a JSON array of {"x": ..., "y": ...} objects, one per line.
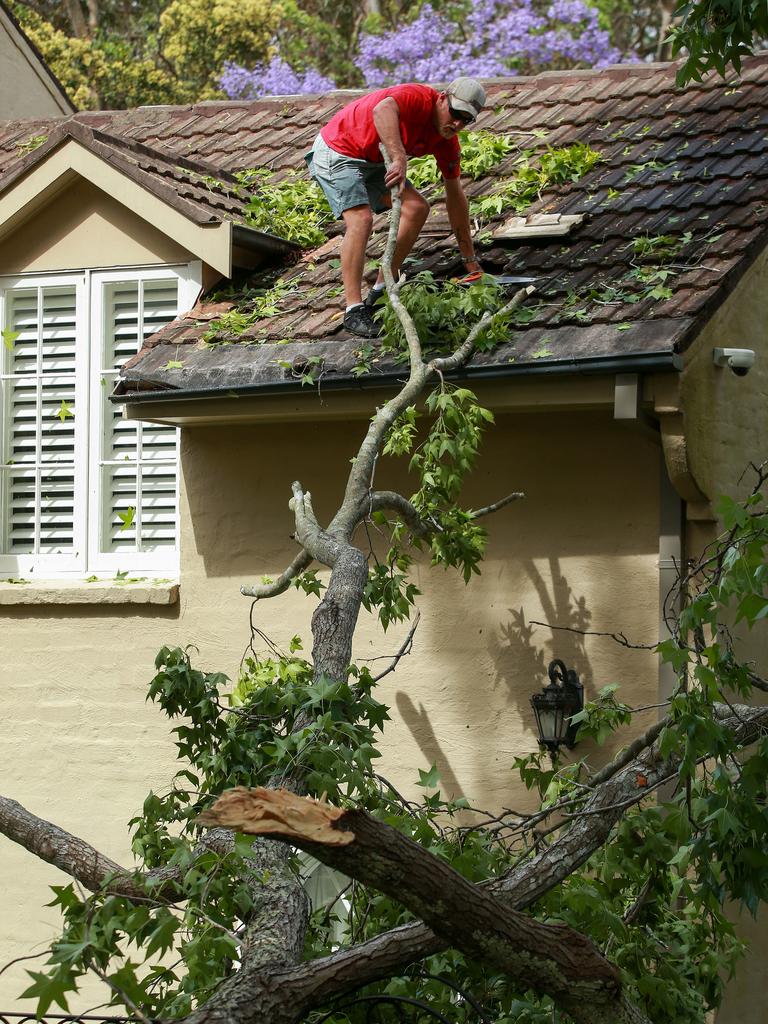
[
  {"x": 688, "y": 163},
  {"x": 204, "y": 193}
]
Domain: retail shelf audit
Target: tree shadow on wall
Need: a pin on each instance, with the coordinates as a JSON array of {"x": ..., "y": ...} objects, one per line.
[
  {"x": 417, "y": 720},
  {"x": 521, "y": 662}
]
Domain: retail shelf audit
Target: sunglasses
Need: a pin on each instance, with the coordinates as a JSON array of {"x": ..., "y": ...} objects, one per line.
[{"x": 460, "y": 115}]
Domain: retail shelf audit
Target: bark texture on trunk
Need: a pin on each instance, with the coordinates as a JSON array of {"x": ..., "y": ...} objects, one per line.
[
  {"x": 335, "y": 618},
  {"x": 549, "y": 958}
]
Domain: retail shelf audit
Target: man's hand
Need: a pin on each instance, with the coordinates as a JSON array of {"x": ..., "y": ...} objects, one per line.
[
  {"x": 396, "y": 173},
  {"x": 386, "y": 118}
]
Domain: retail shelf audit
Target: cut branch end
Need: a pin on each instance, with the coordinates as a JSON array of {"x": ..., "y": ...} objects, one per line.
[{"x": 277, "y": 812}]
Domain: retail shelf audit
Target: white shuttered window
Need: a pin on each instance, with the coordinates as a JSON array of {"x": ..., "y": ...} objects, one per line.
[{"x": 81, "y": 490}]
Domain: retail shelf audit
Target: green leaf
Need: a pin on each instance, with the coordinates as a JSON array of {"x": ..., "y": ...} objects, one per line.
[
  {"x": 9, "y": 338},
  {"x": 49, "y": 988},
  {"x": 430, "y": 779},
  {"x": 64, "y": 412},
  {"x": 127, "y": 517}
]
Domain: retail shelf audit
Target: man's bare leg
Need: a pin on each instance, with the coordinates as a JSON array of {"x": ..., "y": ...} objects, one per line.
[
  {"x": 413, "y": 216},
  {"x": 357, "y": 223}
]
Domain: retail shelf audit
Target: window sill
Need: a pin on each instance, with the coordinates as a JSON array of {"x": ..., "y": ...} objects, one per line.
[{"x": 101, "y": 592}]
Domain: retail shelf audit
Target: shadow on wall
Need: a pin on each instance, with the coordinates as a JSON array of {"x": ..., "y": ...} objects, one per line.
[
  {"x": 516, "y": 662},
  {"x": 417, "y": 720},
  {"x": 521, "y": 665}
]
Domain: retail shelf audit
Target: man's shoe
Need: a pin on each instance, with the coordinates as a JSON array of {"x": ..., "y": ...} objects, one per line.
[
  {"x": 373, "y": 297},
  {"x": 359, "y": 320}
]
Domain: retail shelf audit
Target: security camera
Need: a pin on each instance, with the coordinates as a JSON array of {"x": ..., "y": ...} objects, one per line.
[{"x": 740, "y": 360}]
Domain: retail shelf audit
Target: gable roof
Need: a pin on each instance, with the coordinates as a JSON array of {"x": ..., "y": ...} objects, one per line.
[
  {"x": 202, "y": 194},
  {"x": 689, "y": 164},
  {"x": 34, "y": 59}
]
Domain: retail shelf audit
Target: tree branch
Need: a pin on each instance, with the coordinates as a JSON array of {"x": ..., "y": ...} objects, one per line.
[
  {"x": 70, "y": 854},
  {"x": 552, "y": 959},
  {"x": 260, "y": 591},
  {"x": 487, "y": 510},
  {"x": 391, "y": 501},
  {"x": 92, "y": 869},
  {"x": 390, "y": 953}
]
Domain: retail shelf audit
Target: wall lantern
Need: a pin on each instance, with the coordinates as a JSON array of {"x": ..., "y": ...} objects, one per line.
[{"x": 553, "y": 707}]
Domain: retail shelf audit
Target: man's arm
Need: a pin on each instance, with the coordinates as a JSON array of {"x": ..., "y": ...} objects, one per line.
[
  {"x": 458, "y": 215},
  {"x": 386, "y": 118}
]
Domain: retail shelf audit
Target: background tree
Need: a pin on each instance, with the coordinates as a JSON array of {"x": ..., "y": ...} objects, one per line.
[
  {"x": 122, "y": 54},
  {"x": 624, "y": 899}
]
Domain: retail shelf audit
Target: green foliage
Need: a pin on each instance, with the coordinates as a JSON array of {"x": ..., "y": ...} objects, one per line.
[
  {"x": 635, "y": 170},
  {"x": 9, "y": 338},
  {"x": 601, "y": 717},
  {"x": 259, "y": 304},
  {"x": 659, "y": 248},
  {"x": 31, "y": 144},
  {"x": 442, "y": 460},
  {"x": 293, "y": 208},
  {"x": 126, "y": 518},
  {"x": 481, "y": 151},
  {"x": 716, "y": 34},
  {"x": 444, "y": 312},
  {"x": 388, "y": 589},
  {"x": 64, "y": 412},
  {"x": 534, "y": 173}
]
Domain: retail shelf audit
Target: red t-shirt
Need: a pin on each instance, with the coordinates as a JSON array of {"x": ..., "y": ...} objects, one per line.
[{"x": 353, "y": 133}]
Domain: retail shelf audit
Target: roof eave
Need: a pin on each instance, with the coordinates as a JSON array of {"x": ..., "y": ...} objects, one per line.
[{"x": 166, "y": 405}]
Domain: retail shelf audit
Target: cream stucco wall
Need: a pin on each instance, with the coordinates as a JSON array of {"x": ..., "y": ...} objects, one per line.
[
  {"x": 82, "y": 227},
  {"x": 725, "y": 416},
  {"x": 26, "y": 89},
  {"x": 83, "y": 748},
  {"x": 726, "y": 427},
  {"x": 581, "y": 550}
]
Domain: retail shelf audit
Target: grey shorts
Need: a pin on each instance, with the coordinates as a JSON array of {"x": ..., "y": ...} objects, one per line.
[{"x": 346, "y": 181}]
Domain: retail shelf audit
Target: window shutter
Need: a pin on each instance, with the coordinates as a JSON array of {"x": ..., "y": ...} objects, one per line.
[
  {"x": 38, "y": 461},
  {"x": 138, "y": 465}
]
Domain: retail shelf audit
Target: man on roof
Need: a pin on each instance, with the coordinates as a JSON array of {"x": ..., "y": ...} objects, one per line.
[{"x": 411, "y": 120}]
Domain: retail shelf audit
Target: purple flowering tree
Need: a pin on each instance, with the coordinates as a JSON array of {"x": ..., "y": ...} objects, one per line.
[
  {"x": 277, "y": 78},
  {"x": 497, "y": 37}
]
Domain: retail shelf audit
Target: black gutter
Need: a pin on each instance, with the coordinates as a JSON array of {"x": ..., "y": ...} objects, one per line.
[
  {"x": 658, "y": 362},
  {"x": 259, "y": 241}
]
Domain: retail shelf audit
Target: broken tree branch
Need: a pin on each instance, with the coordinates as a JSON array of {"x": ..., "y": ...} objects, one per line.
[
  {"x": 314, "y": 983},
  {"x": 550, "y": 958}
]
